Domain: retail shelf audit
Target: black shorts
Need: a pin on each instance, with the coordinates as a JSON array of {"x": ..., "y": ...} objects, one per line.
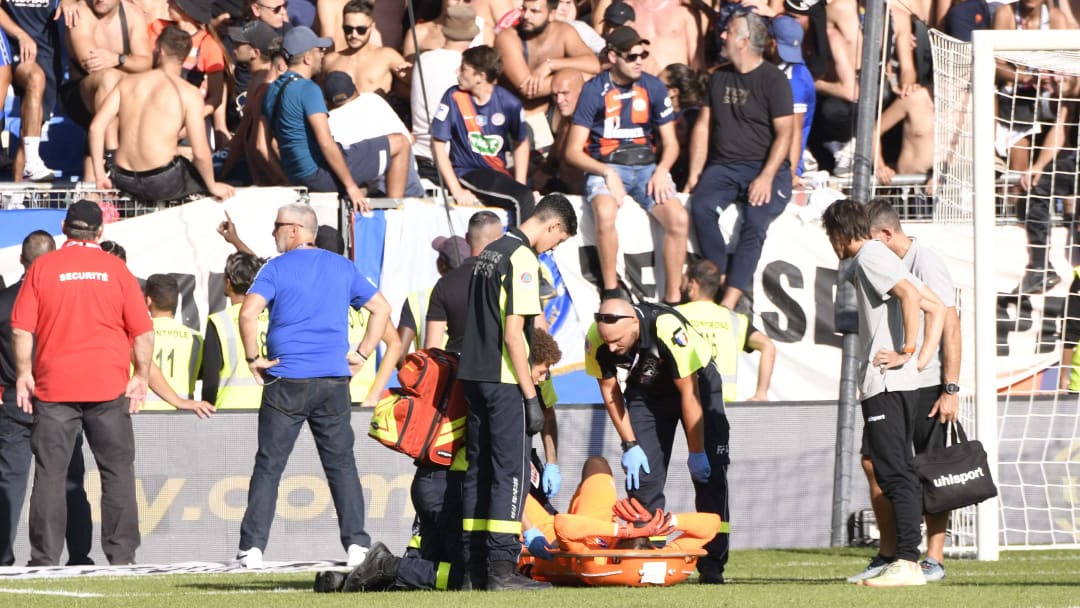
[
  {"x": 71, "y": 102},
  {"x": 366, "y": 160},
  {"x": 174, "y": 182},
  {"x": 921, "y": 424},
  {"x": 49, "y": 61}
]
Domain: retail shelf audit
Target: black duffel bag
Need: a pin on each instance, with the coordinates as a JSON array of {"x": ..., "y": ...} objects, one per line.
[{"x": 953, "y": 471}]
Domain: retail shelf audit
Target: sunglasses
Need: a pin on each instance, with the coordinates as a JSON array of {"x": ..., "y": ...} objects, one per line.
[
  {"x": 359, "y": 29},
  {"x": 604, "y": 317},
  {"x": 275, "y": 9},
  {"x": 278, "y": 225},
  {"x": 632, "y": 57}
]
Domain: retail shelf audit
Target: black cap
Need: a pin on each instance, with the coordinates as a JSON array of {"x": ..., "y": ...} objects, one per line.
[
  {"x": 198, "y": 10},
  {"x": 84, "y": 215},
  {"x": 329, "y": 238},
  {"x": 338, "y": 87},
  {"x": 799, "y": 7},
  {"x": 623, "y": 38},
  {"x": 619, "y": 13},
  {"x": 257, "y": 34},
  {"x": 235, "y": 8}
]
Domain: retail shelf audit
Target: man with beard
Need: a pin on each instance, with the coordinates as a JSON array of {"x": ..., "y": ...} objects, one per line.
[
  {"x": 373, "y": 68},
  {"x": 537, "y": 48}
]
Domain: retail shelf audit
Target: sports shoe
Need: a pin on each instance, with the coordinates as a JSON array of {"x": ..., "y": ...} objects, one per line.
[
  {"x": 38, "y": 172},
  {"x": 356, "y": 555},
  {"x": 329, "y": 581},
  {"x": 251, "y": 558},
  {"x": 873, "y": 569},
  {"x": 843, "y": 157},
  {"x": 1037, "y": 281},
  {"x": 933, "y": 570},
  {"x": 376, "y": 573},
  {"x": 901, "y": 573}
]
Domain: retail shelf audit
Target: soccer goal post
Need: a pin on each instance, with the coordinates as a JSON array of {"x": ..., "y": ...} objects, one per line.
[{"x": 1006, "y": 101}]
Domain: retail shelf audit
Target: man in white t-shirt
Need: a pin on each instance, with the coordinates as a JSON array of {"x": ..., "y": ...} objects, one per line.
[
  {"x": 357, "y": 117},
  {"x": 435, "y": 72}
]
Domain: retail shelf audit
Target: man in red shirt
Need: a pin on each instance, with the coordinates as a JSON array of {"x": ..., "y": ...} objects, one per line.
[{"x": 87, "y": 314}]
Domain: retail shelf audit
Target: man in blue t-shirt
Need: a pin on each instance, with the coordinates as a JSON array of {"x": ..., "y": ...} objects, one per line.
[
  {"x": 789, "y": 39},
  {"x": 305, "y": 374},
  {"x": 619, "y": 117},
  {"x": 475, "y": 126},
  {"x": 295, "y": 112}
]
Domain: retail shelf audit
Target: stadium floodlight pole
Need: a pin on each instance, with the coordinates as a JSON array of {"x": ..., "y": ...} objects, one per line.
[{"x": 846, "y": 314}]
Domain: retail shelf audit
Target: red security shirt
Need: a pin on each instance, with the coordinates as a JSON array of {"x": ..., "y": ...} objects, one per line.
[{"x": 85, "y": 309}]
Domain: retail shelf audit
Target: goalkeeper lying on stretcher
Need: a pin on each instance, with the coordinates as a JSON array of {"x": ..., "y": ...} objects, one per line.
[{"x": 616, "y": 536}]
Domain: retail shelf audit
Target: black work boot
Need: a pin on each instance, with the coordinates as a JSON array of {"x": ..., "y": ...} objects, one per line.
[
  {"x": 377, "y": 573},
  {"x": 503, "y": 576},
  {"x": 329, "y": 581}
]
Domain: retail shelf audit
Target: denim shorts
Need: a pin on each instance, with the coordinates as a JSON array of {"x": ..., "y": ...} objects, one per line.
[{"x": 635, "y": 179}]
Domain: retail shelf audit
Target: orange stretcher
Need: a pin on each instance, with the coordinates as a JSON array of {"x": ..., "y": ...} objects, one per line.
[{"x": 614, "y": 567}]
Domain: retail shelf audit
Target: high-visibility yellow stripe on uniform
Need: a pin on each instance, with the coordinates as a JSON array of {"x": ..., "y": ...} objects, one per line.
[
  {"x": 442, "y": 576},
  {"x": 237, "y": 389},
  {"x": 725, "y": 330},
  {"x": 496, "y": 526},
  {"x": 414, "y": 541},
  {"x": 725, "y": 528}
]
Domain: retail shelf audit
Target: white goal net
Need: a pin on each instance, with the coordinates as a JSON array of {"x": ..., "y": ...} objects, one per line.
[{"x": 1005, "y": 176}]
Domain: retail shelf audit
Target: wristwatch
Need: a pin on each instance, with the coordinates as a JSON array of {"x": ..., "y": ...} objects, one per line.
[
  {"x": 250, "y": 359},
  {"x": 120, "y": 59},
  {"x": 952, "y": 388},
  {"x": 628, "y": 445}
]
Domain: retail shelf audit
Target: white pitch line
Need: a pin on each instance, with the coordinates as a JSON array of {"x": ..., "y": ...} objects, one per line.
[{"x": 47, "y": 592}]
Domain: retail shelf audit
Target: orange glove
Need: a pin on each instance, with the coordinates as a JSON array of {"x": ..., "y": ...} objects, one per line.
[{"x": 631, "y": 511}]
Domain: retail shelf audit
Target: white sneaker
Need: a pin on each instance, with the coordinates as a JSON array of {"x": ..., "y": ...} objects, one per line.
[
  {"x": 873, "y": 569},
  {"x": 901, "y": 573},
  {"x": 251, "y": 558},
  {"x": 843, "y": 157},
  {"x": 357, "y": 554},
  {"x": 38, "y": 172}
]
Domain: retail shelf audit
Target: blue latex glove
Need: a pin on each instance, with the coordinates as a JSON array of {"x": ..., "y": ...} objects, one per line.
[
  {"x": 633, "y": 460},
  {"x": 536, "y": 543},
  {"x": 551, "y": 480},
  {"x": 700, "y": 470}
]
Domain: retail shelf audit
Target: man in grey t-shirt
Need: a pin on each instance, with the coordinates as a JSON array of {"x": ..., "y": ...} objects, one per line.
[
  {"x": 938, "y": 402},
  {"x": 889, "y": 300}
]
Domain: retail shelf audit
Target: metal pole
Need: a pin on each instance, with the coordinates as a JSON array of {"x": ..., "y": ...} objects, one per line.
[{"x": 846, "y": 316}]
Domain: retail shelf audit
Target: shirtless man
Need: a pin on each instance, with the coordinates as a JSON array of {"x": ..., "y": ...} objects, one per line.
[
  {"x": 151, "y": 111},
  {"x": 674, "y": 31},
  {"x": 565, "y": 89},
  {"x": 916, "y": 111},
  {"x": 328, "y": 23},
  {"x": 537, "y": 48},
  {"x": 373, "y": 68},
  {"x": 101, "y": 52},
  {"x": 430, "y": 33}
]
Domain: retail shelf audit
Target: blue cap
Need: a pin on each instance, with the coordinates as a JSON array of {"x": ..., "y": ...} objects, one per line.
[
  {"x": 301, "y": 39},
  {"x": 789, "y": 38}
]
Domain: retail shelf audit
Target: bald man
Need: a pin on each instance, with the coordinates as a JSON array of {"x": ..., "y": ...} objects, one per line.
[
  {"x": 562, "y": 177},
  {"x": 670, "y": 378}
]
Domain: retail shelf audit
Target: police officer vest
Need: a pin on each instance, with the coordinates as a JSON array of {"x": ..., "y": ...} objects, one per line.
[
  {"x": 178, "y": 352},
  {"x": 237, "y": 388},
  {"x": 361, "y": 383},
  {"x": 726, "y": 332}
]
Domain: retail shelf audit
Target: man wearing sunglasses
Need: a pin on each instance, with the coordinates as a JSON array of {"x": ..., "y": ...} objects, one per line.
[
  {"x": 620, "y": 116},
  {"x": 670, "y": 378},
  {"x": 373, "y": 68}
]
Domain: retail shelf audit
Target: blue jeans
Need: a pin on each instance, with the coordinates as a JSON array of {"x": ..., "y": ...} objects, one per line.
[
  {"x": 635, "y": 179},
  {"x": 15, "y": 457},
  {"x": 286, "y": 404}
]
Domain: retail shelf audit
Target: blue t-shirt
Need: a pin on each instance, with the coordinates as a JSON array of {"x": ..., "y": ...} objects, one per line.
[
  {"x": 618, "y": 115},
  {"x": 495, "y": 127},
  {"x": 804, "y": 97},
  {"x": 309, "y": 292},
  {"x": 300, "y": 154}
]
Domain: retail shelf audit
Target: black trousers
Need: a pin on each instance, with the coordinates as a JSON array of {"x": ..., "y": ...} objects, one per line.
[
  {"x": 889, "y": 419},
  {"x": 496, "y": 481},
  {"x": 500, "y": 190},
  {"x": 436, "y": 496},
  {"x": 107, "y": 425},
  {"x": 1059, "y": 179},
  {"x": 655, "y": 420}
]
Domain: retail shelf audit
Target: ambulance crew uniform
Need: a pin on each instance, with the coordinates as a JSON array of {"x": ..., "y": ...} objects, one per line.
[
  {"x": 178, "y": 351},
  {"x": 226, "y": 378},
  {"x": 85, "y": 309},
  {"x": 623, "y": 122},
  {"x": 506, "y": 281},
  {"x": 480, "y": 137},
  {"x": 668, "y": 348}
]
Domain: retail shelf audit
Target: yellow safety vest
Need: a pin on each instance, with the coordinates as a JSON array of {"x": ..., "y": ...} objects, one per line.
[
  {"x": 237, "y": 388},
  {"x": 419, "y": 301},
  {"x": 360, "y": 385},
  {"x": 725, "y": 331},
  {"x": 178, "y": 352}
]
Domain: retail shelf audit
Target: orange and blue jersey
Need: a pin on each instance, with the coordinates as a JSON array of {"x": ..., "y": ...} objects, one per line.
[
  {"x": 479, "y": 136},
  {"x": 617, "y": 115}
]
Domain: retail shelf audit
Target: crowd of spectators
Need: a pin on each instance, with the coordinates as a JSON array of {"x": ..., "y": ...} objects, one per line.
[{"x": 390, "y": 87}]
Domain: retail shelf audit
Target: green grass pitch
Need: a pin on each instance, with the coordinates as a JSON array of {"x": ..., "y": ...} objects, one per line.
[{"x": 756, "y": 578}]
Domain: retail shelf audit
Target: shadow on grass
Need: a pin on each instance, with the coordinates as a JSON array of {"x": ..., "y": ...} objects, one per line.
[
  {"x": 252, "y": 585},
  {"x": 735, "y": 582}
]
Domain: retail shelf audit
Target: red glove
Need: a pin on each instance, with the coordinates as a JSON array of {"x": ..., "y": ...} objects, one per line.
[{"x": 631, "y": 511}]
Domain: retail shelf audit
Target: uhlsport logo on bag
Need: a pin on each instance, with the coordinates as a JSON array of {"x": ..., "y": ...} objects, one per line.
[{"x": 958, "y": 479}]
